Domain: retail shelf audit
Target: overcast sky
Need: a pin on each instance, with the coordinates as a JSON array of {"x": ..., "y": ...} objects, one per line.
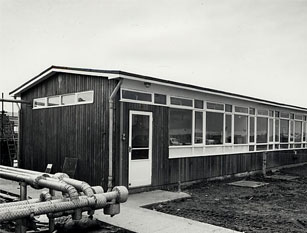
[{"x": 251, "y": 47}]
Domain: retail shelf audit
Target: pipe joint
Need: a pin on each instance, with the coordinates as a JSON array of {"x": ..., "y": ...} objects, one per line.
[
  {"x": 122, "y": 192},
  {"x": 60, "y": 175},
  {"x": 45, "y": 196}
]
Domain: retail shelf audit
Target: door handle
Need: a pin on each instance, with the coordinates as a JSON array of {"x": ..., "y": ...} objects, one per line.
[{"x": 129, "y": 149}]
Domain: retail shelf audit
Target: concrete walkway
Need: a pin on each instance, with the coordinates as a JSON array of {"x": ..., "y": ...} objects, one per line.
[{"x": 135, "y": 218}]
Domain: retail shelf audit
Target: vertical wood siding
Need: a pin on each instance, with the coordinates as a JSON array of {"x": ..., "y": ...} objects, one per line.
[
  {"x": 167, "y": 171},
  {"x": 79, "y": 131}
]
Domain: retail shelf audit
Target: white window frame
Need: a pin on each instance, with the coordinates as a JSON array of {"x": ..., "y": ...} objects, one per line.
[{"x": 60, "y": 100}]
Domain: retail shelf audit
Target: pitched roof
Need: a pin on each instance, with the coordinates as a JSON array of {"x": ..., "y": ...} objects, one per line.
[{"x": 111, "y": 74}]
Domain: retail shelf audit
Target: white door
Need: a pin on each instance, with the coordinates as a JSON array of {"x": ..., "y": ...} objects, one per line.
[{"x": 140, "y": 148}]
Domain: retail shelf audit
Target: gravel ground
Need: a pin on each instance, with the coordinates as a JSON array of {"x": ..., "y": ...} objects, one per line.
[{"x": 279, "y": 206}]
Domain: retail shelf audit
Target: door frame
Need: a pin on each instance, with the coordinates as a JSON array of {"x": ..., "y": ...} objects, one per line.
[{"x": 149, "y": 160}]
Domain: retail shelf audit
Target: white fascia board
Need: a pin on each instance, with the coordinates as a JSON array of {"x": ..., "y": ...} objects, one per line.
[
  {"x": 206, "y": 92},
  {"x": 55, "y": 70}
]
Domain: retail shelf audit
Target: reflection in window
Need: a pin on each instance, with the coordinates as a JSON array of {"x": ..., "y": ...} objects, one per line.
[
  {"x": 241, "y": 109},
  {"x": 228, "y": 129},
  {"x": 228, "y": 108},
  {"x": 180, "y": 127},
  {"x": 134, "y": 95},
  {"x": 199, "y": 104},
  {"x": 276, "y": 130},
  {"x": 53, "y": 101},
  {"x": 198, "y": 128},
  {"x": 263, "y": 112},
  {"x": 85, "y": 97},
  {"x": 304, "y": 131},
  {"x": 181, "y": 101},
  {"x": 215, "y": 106},
  {"x": 140, "y": 131},
  {"x": 252, "y": 129},
  {"x": 291, "y": 131},
  {"x": 39, "y": 102},
  {"x": 240, "y": 129},
  {"x": 160, "y": 99},
  {"x": 68, "y": 99},
  {"x": 262, "y": 130},
  {"x": 214, "y": 126},
  {"x": 284, "y": 130},
  {"x": 298, "y": 131},
  {"x": 271, "y": 126}
]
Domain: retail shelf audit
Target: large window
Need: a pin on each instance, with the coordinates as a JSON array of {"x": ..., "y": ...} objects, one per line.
[
  {"x": 198, "y": 136},
  {"x": 304, "y": 131},
  {"x": 284, "y": 130},
  {"x": 298, "y": 131},
  {"x": 180, "y": 127},
  {"x": 252, "y": 129},
  {"x": 276, "y": 130},
  {"x": 262, "y": 130},
  {"x": 228, "y": 129},
  {"x": 240, "y": 129},
  {"x": 214, "y": 128},
  {"x": 271, "y": 127}
]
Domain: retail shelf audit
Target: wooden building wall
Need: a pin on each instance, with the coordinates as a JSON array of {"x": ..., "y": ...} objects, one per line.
[
  {"x": 168, "y": 171},
  {"x": 79, "y": 131}
]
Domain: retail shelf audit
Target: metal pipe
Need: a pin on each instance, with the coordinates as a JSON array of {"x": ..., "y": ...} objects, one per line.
[
  {"x": 20, "y": 170},
  {"x": 79, "y": 185},
  {"x": 96, "y": 202},
  {"x": 111, "y": 115},
  {"x": 23, "y": 191},
  {"x": 40, "y": 182}
]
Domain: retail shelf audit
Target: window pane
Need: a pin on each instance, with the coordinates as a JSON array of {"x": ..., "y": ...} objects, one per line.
[
  {"x": 140, "y": 131},
  {"x": 276, "y": 114},
  {"x": 68, "y": 99},
  {"x": 298, "y": 117},
  {"x": 298, "y": 131},
  {"x": 240, "y": 129},
  {"x": 133, "y": 95},
  {"x": 252, "y": 129},
  {"x": 228, "y": 108},
  {"x": 228, "y": 129},
  {"x": 252, "y": 111},
  {"x": 215, "y": 106},
  {"x": 271, "y": 113},
  {"x": 39, "y": 102},
  {"x": 53, "y": 101},
  {"x": 214, "y": 126},
  {"x": 271, "y": 130},
  {"x": 241, "y": 109},
  {"x": 199, "y": 104},
  {"x": 262, "y": 130},
  {"x": 198, "y": 127},
  {"x": 284, "y": 130},
  {"x": 263, "y": 112},
  {"x": 85, "y": 97},
  {"x": 181, "y": 101},
  {"x": 284, "y": 115},
  {"x": 291, "y": 131},
  {"x": 180, "y": 127},
  {"x": 304, "y": 131},
  {"x": 276, "y": 130},
  {"x": 160, "y": 99},
  {"x": 139, "y": 154},
  {"x": 261, "y": 147}
]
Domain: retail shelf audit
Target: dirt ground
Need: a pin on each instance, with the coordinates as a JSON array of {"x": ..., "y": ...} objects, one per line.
[{"x": 279, "y": 206}]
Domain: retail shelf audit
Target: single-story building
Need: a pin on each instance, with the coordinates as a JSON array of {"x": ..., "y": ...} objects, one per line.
[{"x": 139, "y": 131}]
